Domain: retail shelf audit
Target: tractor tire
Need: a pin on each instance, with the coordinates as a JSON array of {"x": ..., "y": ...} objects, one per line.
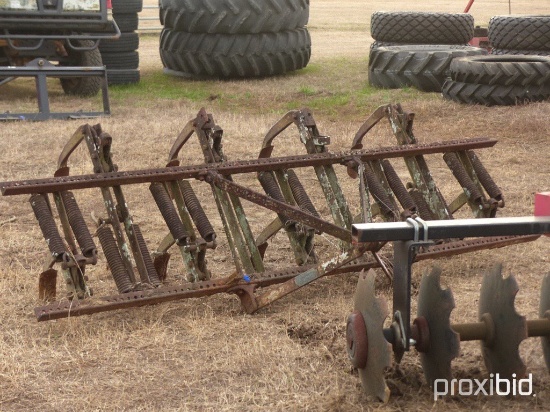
[
  {"x": 502, "y": 70},
  {"x": 127, "y": 42},
  {"x": 422, "y": 28},
  {"x": 494, "y": 95},
  {"x": 127, "y": 22},
  {"x": 121, "y": 76},
  {"x": 234, "y": 16},
  {"x": 127, "y": 6},
  {"x": 422, "y": 66},
  {"x": 235, "y": 55},
  {"x": 121, "y": 61},
  {"x": 82, "y": 86},
  {"x": 520, "y": 32},
  {"x": 500, "y": 52}
]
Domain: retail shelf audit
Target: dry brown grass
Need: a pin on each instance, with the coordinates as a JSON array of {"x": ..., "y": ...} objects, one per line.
[{"x": 205, "y": 354}]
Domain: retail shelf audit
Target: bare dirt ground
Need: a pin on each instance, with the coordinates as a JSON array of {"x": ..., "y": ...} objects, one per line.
[{"x": 206, "y": 354}]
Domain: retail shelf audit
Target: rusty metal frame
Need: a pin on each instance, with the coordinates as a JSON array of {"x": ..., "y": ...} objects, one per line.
[{"x": 191, "y": 233}]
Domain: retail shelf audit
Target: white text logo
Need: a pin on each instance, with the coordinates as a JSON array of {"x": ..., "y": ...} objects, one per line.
[{"x": 494, "y": 385}]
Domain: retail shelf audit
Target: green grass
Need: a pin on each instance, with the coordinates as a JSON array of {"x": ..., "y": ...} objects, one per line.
[
  {"x": 336, "y": 86},
  {"x": 161, "y": 86}
]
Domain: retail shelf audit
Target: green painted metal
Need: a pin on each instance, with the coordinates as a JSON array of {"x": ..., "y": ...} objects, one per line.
[
  {"x": 401, "y": 124},
  {"x": 192, "y": 260}
]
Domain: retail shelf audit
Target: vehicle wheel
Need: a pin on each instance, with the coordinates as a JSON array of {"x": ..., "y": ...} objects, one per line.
[
  {"x": 235, "y": 55},
  {"x": 82, "y": 86},
  {"x": 127, "y": 42},
  {"x": 127, "y": 22},
  {"x": 493, "y": 95},
  {"x": 234, "y": 16},
  {"x": 422, "y": 66},
  {"x": 126, "y": 60},
  {"x": 123, "y": 76},
  {"x": 520, "y": 32},
  {"x": 422, "y": 28},
  {"x": 127, "y": 6},
  {"x": 503, "y": 70}
]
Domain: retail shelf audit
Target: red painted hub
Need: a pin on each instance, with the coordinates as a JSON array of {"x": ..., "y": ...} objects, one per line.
[
  {"x": 421, "y": 334},
  {"x": 357, "y": 341}
]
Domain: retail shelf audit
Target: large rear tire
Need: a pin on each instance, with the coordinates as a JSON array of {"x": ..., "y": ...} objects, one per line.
[
  {"x": 422, "y": 66},
  {"x": 235, "y": 55},
  {"x": 494, "y": 95},
  {"x": 502, "y": 70},
  {"x": 234, "y": 16}
]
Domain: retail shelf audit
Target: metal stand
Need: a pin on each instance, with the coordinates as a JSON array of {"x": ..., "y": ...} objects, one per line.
[{"x": 40, "y": 69}]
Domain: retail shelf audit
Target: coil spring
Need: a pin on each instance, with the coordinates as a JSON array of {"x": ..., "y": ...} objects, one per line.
[
  {"x": 422, "y": 208},
  {"x": 397, "y": 187},
  {"x": 110, "y": 249},
  {"x": 378, "y": 192},
  {"x": 168, "y": 211},
  {"x": 300, "y": 194},
  {"x": 272, "y": 189},
  {"x": 486, "y": 181},
  {"x": 462, "y": 176},
  {"x": 197, "y": 212},
  {"x": 76, "y": 220},
  {"x": 41, "y": 208},
  {"x": 147, "y": 260}
]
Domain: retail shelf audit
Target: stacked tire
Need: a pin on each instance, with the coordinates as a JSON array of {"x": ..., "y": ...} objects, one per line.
[
  {"x": 501, "y": 80},
  {"x": 416, "y": 48},
  {"x": 120, "y": 56},
  {"x": 234, "y": 38},
  {"x": 520, "y": 35}
]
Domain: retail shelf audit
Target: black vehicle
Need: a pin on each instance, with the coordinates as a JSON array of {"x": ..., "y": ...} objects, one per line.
[{"x": 64, "y": 32}]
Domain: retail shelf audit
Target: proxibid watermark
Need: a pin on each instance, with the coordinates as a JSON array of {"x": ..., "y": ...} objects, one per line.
[{"x": 494, "y": 385}]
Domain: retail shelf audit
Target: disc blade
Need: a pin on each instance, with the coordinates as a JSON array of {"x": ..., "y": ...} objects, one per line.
[
  {"x": 497, "y": 298},
  {"x": 374, "y": 310},
  {"x": 435, "y": 305}
]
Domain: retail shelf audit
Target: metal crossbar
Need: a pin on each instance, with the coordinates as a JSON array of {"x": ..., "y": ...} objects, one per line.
[
  {"x": 41, "y": 69},
  {"x": 456, "y": 228}
]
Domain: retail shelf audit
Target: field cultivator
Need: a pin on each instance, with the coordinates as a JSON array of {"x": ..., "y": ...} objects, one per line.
[{"x": 141, "y": 275}]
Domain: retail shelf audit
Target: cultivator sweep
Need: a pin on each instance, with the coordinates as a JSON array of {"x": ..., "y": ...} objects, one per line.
[
  {"x": 499, "y": 328},
  {"x": 141, "y": 275}
]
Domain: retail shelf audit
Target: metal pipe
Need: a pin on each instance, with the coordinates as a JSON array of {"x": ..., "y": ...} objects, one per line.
[
  {"x": 478, "y": 330},
  {"x": 449, "y": 229},
  {"x": 467, "y": 9}
]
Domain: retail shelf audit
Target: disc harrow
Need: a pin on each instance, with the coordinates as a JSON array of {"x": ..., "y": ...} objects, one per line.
[
  {"x": 141, "y": 273},
  {"x": 499, "y": 328}
]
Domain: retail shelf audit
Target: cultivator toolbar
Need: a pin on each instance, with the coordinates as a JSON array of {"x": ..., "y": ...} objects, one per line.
[{"x": 141, "y": 276}]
